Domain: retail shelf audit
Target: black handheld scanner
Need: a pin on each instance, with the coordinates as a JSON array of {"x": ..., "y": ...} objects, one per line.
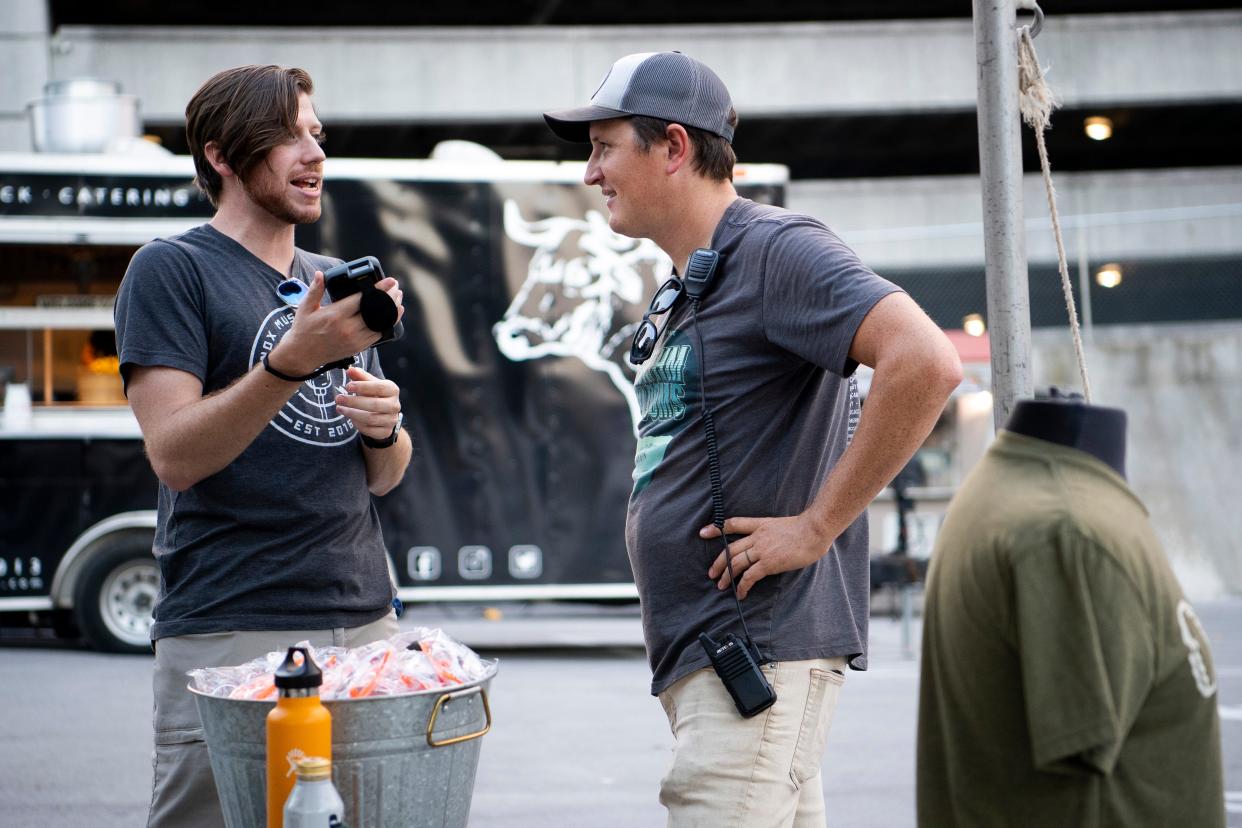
[{"x": 379, "y": 313}]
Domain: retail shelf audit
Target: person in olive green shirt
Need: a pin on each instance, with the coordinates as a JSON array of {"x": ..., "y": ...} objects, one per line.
[{"x": 1065, "y": 679}]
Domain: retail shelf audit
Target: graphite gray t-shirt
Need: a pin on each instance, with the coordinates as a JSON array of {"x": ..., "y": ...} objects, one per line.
[
  {"x": 777, "y": 328},
  {"x": 285, "y": 537}
]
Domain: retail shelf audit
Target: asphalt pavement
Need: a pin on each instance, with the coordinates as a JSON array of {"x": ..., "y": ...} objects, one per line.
[{"x": 577, "y": 740}]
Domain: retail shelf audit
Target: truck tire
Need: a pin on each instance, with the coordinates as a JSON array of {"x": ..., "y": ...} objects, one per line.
[{"x": 116, "y": 593}]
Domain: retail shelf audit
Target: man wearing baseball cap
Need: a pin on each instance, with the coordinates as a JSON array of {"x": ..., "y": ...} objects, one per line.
[{"x": 771, "y": 347}]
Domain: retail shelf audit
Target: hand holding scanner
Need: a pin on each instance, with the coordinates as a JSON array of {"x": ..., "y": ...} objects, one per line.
[{"x": 378, "y": 311}]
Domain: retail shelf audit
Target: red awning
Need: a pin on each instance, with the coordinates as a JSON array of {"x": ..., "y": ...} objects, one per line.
[{"x": 969, "y": 348}]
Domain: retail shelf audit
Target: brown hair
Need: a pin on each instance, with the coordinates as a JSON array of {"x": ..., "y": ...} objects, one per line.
[
  {"x": 713, "y": 155},
  {"x": 246, "y": 110}
]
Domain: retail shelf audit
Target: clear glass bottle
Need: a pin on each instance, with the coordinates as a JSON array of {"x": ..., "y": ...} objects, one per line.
[{"x": 314, "y": 802}]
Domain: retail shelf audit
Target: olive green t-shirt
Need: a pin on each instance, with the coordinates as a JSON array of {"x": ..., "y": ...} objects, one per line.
[{"x": 1065, "y": 679}]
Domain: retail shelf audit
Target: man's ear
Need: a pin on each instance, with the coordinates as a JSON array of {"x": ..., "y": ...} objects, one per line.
[
  {"x": 678, "y": 147},
  {"x": 212, "y": 151}
]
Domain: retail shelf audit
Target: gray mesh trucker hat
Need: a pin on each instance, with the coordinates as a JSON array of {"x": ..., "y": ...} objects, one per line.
[{"x": 666, "y": 85}]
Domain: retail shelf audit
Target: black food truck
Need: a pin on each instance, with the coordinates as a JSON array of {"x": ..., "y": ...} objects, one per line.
[{"x": 520, "y": 304}]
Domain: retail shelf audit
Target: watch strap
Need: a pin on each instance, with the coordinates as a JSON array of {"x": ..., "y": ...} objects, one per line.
[{"x": 371, "y": 442}]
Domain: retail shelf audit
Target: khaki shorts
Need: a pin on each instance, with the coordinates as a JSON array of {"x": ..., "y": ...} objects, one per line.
[
  {"x": 761, "y": 771},
  {"x": 183, "y": 791}
]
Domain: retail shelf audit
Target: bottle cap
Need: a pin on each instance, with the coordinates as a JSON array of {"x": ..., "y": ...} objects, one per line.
[
  {"x": 312, "y": 768},
  {"x": 291, "y": 675}
]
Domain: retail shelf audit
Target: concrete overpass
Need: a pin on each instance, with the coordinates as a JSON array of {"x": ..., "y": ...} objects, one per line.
[{"x": 771, "y": 69}]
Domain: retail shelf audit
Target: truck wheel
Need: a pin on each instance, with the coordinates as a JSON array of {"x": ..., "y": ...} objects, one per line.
[{"x": 115, "y": 596}]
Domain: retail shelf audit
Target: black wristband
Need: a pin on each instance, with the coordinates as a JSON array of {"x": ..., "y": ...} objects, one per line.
[
  {"x": 267, "y": 366},
  {"x": 340, "y": 363}
]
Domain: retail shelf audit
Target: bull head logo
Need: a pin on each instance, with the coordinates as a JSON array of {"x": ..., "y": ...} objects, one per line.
[{"x": 582, "y": 296}]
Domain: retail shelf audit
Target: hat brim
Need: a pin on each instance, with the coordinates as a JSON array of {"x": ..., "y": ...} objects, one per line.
[{"x": 575, "y": 124}]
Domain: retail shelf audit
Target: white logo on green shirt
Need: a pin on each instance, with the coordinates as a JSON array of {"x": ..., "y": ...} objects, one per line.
[{"x": 1194, "y": 639}]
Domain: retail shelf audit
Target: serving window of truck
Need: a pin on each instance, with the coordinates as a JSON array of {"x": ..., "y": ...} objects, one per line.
[{"x": 520, "y": 304}]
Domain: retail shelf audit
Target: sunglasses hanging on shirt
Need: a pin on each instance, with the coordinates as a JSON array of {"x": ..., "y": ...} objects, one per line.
[
  {"x": 699, "y": 273},
  {"x": 292, "y": 291},
  {"x": 648, "y": 333}
]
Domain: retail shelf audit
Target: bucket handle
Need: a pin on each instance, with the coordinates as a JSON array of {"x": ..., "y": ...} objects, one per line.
[{"x": 448, "y": 697}]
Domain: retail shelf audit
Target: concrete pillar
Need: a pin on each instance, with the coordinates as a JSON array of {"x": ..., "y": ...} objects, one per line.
[{"x": 24, "y": 39}]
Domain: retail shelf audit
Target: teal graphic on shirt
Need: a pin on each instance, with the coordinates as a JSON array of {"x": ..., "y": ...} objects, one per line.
[{"x": 668, "y": 399}]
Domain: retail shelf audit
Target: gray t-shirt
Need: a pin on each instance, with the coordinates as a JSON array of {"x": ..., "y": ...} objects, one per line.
[
  {"x": 285, "y": 537},
  {"x": 777, "y": 328}
]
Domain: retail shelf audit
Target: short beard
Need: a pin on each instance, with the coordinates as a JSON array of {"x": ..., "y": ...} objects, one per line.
[{"x": 276, "y": 206}]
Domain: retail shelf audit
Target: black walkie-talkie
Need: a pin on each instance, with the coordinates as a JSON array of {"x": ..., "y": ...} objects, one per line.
[
  {"x": 734, "y": 659},
  {"x": 700, "y": 271},
  {"x": 738, "y": 668}
]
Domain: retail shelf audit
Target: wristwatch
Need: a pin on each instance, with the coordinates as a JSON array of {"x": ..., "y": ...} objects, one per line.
[{"x": 371, "y": 442}]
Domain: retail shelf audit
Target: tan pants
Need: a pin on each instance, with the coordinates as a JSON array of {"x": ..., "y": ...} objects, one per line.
[
  {"x": 756, "y": 772},
  {"x": 183, "y": 793}
]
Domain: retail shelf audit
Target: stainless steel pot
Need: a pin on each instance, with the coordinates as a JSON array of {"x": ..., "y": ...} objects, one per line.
[{"x": 82, "y": 115}]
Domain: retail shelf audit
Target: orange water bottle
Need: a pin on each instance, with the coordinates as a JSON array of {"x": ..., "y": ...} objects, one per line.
[{"x": 298, "y": 727}]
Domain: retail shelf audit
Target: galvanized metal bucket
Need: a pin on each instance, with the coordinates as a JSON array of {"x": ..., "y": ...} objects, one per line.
[{"x": 406, "y": 760}]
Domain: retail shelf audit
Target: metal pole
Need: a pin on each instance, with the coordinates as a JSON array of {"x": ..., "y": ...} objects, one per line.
[{"x": 1000, "y": 169}]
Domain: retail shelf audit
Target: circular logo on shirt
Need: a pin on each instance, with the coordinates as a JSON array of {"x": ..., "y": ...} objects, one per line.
[{"x": 310, "y": 416}]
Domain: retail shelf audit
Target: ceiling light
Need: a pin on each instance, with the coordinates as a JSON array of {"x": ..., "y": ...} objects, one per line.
[
  {"x": 1098, "y": 128},
  {"x": 1109, "y": 275},
  {"x": 973, "y": 325}
]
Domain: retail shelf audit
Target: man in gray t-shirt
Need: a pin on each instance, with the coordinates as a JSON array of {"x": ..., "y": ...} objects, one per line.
[
  {"x": 770, "y": 350},
  {"x": 268, "y": 445}
]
